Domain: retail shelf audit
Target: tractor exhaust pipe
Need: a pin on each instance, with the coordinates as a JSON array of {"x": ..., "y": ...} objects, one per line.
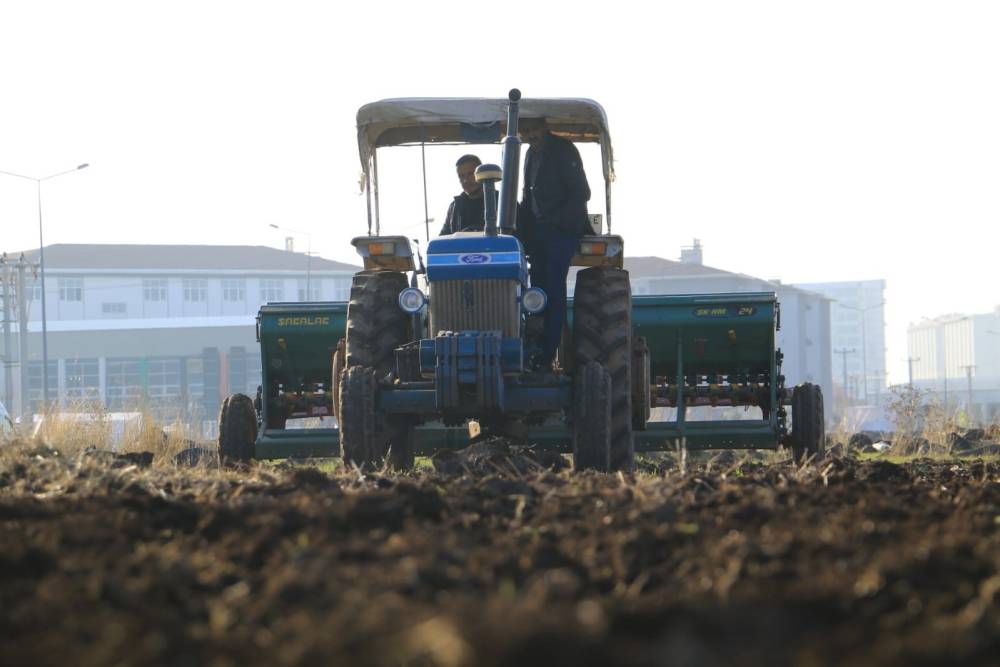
[{"x": 511, "y": 166}]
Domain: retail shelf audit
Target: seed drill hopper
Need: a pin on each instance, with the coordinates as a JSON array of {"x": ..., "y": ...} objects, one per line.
[{"x": 420, "y": 353}]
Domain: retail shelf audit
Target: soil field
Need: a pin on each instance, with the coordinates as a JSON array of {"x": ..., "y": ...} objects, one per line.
[{"x": 106, "y": 562}]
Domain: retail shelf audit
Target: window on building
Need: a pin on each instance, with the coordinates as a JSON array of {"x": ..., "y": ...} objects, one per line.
[
  {"x": 164, "y": 379},
  {"x": 83, "y": 381},
  {"x": 195, "y": 290},
  {"x": 234, "y": 289},
  {"x": 272, "y": 289},
  {"x": 154, "y": 289},
  {"x": 114, "y": 309},
  {"x": 123, "y": 383},
  {"x": 70, "y": 289},
  {"x": 342, "y": 290},
  {"x": 35, "y": 291},
  {"x": 310, "y": 290},
  {"x": 36, "y": 388}
]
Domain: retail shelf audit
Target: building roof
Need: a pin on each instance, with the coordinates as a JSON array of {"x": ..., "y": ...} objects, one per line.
[
  {"x": 181, "y": 257},
  {"x": 658, "y": 267},
  {"x": 647, "y": 267}
]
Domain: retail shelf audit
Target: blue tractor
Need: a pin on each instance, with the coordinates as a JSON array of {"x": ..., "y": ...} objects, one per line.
[{"x": 456, "y": 350}]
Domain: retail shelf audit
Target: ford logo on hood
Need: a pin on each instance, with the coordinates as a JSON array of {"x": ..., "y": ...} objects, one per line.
[{"x": 475, "y": 259}]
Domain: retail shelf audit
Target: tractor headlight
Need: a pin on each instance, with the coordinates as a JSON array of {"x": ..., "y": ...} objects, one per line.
[
  {"x": 411, "y": 300},
  {"x": 533, "y": 300}
]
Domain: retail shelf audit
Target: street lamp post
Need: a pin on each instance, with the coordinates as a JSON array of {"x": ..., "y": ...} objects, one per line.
[
  {"x": 41, "y": 267},
  {"x": 308, "y": 256},
  {"x": 864, "y": 337}
]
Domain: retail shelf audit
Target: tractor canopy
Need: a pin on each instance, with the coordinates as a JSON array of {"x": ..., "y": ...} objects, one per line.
[{"x": 475, "y": 120}]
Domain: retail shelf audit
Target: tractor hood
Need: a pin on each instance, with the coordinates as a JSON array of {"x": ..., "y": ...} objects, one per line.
[
  {"x": 464, "y": 120},
  {"x": 466, "y": 256}
]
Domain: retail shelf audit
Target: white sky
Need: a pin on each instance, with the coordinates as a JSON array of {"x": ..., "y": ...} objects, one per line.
[{"x": 798, "y": 140}]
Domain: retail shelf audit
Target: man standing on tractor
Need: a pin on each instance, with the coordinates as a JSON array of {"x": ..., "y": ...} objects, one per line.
[
  {"x": 465, "y": 214},
  {"x": 552, "y": 216}
]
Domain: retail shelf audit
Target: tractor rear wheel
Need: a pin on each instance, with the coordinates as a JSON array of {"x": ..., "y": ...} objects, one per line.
[
  {"x": 401, "y": 436},
  {"x": 361, "y": 437},
  {"x": 808, "y": 426},
  {"x": 602, "y": 332},
  {"x": 237, "y": 430},
  {"x": 376, "y": 325},
  {"x": 592, "y": 417}
]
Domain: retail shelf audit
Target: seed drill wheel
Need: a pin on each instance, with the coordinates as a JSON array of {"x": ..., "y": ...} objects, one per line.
[
  {"x": 360, "y": 434},
  {"x": 237, "y": 430},
  {"x": 592, "y": 417},
  {"x": 808, "y": 426},
  {"x": 375, "y": 324},
  {"x": 602, "y": 332}
]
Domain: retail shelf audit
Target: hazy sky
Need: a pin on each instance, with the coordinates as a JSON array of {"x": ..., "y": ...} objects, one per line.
[{"x": 798, "y": 140}]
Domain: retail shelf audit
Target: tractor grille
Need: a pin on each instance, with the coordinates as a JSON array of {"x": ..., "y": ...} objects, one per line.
[{"x": 479, "y": 305}]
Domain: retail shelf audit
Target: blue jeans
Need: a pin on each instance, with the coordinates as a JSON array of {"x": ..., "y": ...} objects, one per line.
[{"x": 551, "y": 253}]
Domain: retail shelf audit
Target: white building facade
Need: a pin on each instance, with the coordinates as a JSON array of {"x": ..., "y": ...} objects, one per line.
[
  {"x": 171, "y": 328},
  {"x": 958, "y": 358}
]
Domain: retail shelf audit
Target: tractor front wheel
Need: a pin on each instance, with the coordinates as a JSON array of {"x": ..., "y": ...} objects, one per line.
[
  {"x": 592, "y": 418},
  {"x": 360, "y": 435},
  {"x": 237, "y": 430},
  {"x": 376, "y": 325}
]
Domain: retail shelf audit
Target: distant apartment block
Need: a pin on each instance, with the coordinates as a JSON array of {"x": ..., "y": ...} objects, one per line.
[{"x": 857, "y": 336}]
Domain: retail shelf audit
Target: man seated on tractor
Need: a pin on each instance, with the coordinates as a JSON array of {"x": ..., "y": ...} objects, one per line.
[
  {"x": 465, "y": 214},
  {"x": 551, "y": 218}
]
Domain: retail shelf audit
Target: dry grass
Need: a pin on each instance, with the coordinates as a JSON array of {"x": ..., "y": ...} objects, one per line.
[{"x": 82, "y": 429}]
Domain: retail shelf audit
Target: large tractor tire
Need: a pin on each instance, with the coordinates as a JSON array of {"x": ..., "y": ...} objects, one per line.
[
  {"x": 602, "y": 332},
  {"x": 592, "y": 418},
  {"x": 376, "y": 325},
  {"x": 361, "y": 436},
  {"x": 237, "y": 430},
  {"x": 401, "y": 438},
  {"x": 808, "y": 425}
]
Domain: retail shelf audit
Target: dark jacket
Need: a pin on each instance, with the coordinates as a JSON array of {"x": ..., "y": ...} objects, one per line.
[
  {"x": 465, "y": 214},
  {"x": 555, "y": 190}
]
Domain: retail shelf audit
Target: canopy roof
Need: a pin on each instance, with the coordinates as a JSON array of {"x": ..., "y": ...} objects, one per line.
[{"x": 465, "y": 120}]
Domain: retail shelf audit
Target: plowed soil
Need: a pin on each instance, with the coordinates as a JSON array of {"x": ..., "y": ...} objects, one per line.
[{"x": 105, "y": 562}]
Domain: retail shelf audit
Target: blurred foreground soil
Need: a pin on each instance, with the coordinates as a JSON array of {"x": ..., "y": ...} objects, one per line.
[{"x": 106, "y": 560}]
